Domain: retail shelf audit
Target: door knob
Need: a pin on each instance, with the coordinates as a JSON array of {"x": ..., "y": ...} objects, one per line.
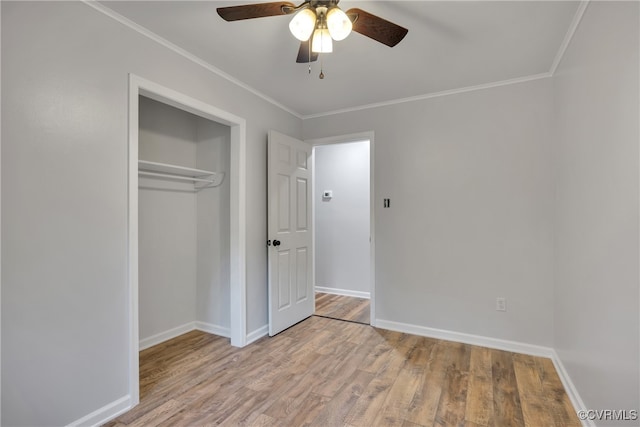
[{"x": 276, "y": 243}]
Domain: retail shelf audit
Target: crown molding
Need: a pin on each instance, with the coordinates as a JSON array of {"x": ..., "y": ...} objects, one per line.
[
  {"x": 575, "y": 23},
  {"x": 182, "y": 52},
  {"x": 432, "y": 95}
]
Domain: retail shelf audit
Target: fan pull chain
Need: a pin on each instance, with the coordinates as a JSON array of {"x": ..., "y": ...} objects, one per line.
[
  {"x": 321, "y": 73},
  {"x": 309, "y": 52}
]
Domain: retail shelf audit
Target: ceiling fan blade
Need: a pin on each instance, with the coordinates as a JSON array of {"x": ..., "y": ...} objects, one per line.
[
  {"x": 303, "y": 53},
  {"x": 259, "y": 10},
  {"x": 376, "y": 28}
]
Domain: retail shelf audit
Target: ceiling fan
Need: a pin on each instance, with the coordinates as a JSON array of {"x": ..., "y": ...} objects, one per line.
[{"x": 318, "y": 22}]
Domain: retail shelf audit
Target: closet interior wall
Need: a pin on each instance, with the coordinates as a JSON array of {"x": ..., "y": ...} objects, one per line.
[{"x": 183, "y": 234}]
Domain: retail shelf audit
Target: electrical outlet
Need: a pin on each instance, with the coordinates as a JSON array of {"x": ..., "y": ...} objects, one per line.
[{"x": 501, "y": 304}]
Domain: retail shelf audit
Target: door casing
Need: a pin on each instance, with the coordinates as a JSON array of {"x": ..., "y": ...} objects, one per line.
[{"x": 237, "y": 178}]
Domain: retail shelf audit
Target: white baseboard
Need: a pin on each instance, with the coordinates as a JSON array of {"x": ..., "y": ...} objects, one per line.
[
  {"x": 257, "y": 334},
  {"x": 166, "y": 335},
  {"x": 183, "y": 329},
  {"x": 344, "y": 292},
  {"x": 104, "y": 414},
  {"x": 213, "y": 329},
  {"x": 499, "y": 344},
  {"x": 570, "y": 388}
]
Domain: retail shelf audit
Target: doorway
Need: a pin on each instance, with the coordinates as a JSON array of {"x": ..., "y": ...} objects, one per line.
[
  {"x": 236, "y": 128},
  {"x": 343, "y": 228}
]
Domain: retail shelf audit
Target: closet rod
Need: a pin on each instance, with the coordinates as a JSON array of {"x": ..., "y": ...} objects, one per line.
[{"x": 168, "y": 175}]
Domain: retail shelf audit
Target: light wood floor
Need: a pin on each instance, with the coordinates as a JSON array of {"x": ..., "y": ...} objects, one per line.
[
  {"x": 324, "y": 372},
  {"x": 340, "y": 307}
]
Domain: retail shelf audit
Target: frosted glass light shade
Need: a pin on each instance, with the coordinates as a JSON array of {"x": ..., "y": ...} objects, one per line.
[
  {"x": 303, "y": 24},
  {"x": 339, "y": 24},
  {"x": 321, "y": 42}
]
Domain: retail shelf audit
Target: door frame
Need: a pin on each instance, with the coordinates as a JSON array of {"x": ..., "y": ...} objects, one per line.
[
  {"x": 237, "y": 179},
  {"x": 342, "y": 139}
]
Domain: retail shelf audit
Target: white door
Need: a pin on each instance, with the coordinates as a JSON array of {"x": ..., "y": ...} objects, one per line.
[{"x": 291, "y": 296}]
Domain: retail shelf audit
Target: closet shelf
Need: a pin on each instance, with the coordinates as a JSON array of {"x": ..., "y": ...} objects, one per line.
[{"x": 165, "y": 170}]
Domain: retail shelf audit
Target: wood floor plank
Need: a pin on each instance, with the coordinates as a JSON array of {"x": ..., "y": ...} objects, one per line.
[
  {"x": 313, "y": 404},
  {"x": 159, "y": 414},
  {"x": 366, "y": 409},
  {"x": 424, "y": 407},
  {"x": 342, "y": 307},
  {"x": 263, "y": 420},
  {"x": 452, "y": 404},
  {"x": 506, "y": 399},
  {"x": 291, "y": 401},
  {"x": 399, "y": 398},
  {"x": 326, "y": 372},
  {"x": 336, "y": 409},
  {"x": 479, "y": 406},
  {"x": 555, "y": 396},
  {"x": 527, "y": 379}
]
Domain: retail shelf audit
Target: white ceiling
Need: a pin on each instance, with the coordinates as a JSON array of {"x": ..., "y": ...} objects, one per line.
[{"x": 450, "y": 45}]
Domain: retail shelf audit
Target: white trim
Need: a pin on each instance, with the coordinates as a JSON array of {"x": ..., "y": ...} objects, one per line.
[
  {"x": 343, "y": 139},
  {"x": 343, "y": 292},
  {"x": 499, "y": 344},
  {"x": 166, "y": 335},
  {"x": 372, "y": 228},
  {"x": 569, "y": 387},
  {"x": 257, "y": 334},
  {"x": 0, "y": 217},
  {"x": 210, "y": 328},
  {"x": 577, "y": 18},
  {"x": 139, "y": 86},
  {"x": 132, "y": 226},
  {"x": 431, "y": 95},
  {"x": 238, "y": 240},
  {"x": 104, "y": 414},
  {"x": 180, "y": 51},
  {"x": 169, "y": 334}
]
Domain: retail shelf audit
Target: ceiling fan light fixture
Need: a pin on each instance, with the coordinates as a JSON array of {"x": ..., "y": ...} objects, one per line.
[
  {"x": 303, "y": 24},
  {"x": 321, "y": 42},
  {"x": 339, "y": 24}
]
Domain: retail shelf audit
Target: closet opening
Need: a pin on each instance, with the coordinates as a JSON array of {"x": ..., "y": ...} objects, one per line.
[
  {"x": 183, "y": 223},
  {"x": 186, "y": 220}
]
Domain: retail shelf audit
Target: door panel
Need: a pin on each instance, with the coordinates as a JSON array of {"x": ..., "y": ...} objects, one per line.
[
  {"x": 284, "y": 200},
  {"x": 302, "y": 274},
  {"x": 302, "y": 198},
  {"x": 289, "y": 227}
]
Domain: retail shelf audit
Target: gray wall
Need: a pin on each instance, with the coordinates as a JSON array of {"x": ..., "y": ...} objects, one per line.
[
  {"x": 597, "y": 121},
  {"x": 213, "y": 222},
  {"x": 167, "y": 222},
  {"x": 342, "y": 248},
  {"x": 469, "y": 177},
  {"x": 64, "y": 210}
]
